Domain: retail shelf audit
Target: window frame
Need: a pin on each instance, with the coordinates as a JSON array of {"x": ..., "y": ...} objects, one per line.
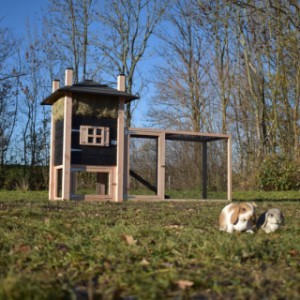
[{"x": 92, "y": 138}]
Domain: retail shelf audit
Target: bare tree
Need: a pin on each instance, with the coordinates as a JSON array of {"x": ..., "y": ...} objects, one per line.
[
  {"x": 184, "y": 99},
  {"x": 214, "y": 18},
  {"x": 127, "y": 27},
  {"x": 9, "y": 83},
  {"x": 181, "y": 81},
  {"x": 251, "y": 75},
  {"x": 67, "y": 25},
  {"x": 269, "y": 37},
  {"x": 35, "y": 119}
]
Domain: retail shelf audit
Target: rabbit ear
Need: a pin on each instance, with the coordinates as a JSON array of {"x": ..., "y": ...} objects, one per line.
[
  {"x": 282, "y": 218},
  {"x": 261, "y": 220},
  {"x": 235, "y": 215},
  {"x": 253, "y": 204},
  {"x": 266, "y": 214}
]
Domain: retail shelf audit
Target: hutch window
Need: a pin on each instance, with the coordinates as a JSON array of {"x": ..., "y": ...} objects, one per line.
[{"x": 94, "y": 136}]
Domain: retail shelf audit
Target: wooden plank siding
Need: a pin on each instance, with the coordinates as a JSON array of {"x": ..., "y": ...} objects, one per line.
[
  {"x": 59, "y": 140},
  {"x": 90, "y": 154}
]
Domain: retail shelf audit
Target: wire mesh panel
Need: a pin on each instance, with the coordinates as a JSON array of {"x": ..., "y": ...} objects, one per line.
[
  {"x": 90, "y": 183},
  {"x": 143, "y": 166},
  {"x": 217, "y": 169},
  {"x": 183, "y": 169},
  {"x": 187, "y": 167},
  {"x": 173, "y": 164}
]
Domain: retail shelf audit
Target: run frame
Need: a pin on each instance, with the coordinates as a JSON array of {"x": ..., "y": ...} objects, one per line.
[{"x": 163, "y": 136}]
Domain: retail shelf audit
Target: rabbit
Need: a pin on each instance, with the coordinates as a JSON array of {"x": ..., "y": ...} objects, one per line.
[
  {"x": 237, "y": 217},
  {"x": 270, "y": 220}
]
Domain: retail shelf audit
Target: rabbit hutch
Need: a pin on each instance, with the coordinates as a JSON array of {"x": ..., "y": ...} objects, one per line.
[{"x": 90, "y": 148}]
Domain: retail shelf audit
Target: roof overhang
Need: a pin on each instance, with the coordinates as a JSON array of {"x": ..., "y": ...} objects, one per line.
[{"x": 90, "y": 88}]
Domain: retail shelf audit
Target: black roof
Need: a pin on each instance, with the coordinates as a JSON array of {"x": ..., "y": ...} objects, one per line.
[{"x": 88, "y": 87}]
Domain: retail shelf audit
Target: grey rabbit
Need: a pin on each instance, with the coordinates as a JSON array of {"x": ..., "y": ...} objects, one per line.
[{"x": 270, "y": 220}]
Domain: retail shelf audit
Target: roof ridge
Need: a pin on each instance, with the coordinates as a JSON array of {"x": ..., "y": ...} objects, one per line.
[{"x": 91, "y": 83}]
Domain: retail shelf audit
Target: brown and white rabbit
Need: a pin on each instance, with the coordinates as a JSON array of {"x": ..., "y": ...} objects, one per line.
[
  {"x": 237, "y": 216},
  {"x": 270, "y": 220}
]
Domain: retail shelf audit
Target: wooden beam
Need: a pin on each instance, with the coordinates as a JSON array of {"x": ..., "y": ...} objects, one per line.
[
  {"x": 148, "y": 131},
  {"x": 229, "y": 169},
  {"x": 55, "y": 85},
  {"x": 52, "y": 175},
  {"x": 66, "y": 186},
  {"x": 143, "y": 181},
  {"x": 120, "y": 151},
  {"x": 161, "y": 165},
  {"x": 52, "y": 184},
  {"x": 204, "y": 170},
  {"x": 69, "y": 76},
  {"x": 126, "y": 164},
  {"x": 121, "y": 86}
]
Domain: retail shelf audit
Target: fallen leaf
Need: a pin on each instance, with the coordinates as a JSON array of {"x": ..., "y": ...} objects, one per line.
[
  {"x": 49, "y": 237},
  {"x": 293, "y": 253},
  {"x": 174, "y": 227},
  {"x": 22, "y": 248},
  {"x": 144, "y": 262},
  {"x": 183, "y": 284},
  {"x": 128, "y": 239}
]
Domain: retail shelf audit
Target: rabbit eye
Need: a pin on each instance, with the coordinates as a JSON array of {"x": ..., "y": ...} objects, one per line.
[
  {"x": 271, "y": 215},
  {"x": 243, "y": 209}
]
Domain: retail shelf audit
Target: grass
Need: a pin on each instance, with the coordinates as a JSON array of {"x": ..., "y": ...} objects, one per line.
[{"x": 142, "y": 250}]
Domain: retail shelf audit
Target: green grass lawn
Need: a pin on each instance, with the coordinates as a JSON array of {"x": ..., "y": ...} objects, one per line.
[{"x": 143, "y": 250}]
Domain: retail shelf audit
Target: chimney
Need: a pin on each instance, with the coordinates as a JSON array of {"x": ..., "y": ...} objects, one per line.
[
  {"x": 121, "y": 83},
  {"x": 55, "y": 85},
  {"x": 69, "y": 76}
]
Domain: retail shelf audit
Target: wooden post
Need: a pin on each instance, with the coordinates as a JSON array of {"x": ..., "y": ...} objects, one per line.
[
  {"x": 120, "y": 151},
  {"x": 51, "y": 194},
  {"x": 204, "y": 170},
  {"x": 229, "y": 170},
  {"x": 52, "y": 185},
  {"x": 55, "y": 85},
  {"x": 126, "y": 164},
  {"x": 101, "y": 183},
  {"x": 121, "y": 86},
  {"x": 161, "y": 166},
  {"x": 121, "y": 141},
  {"x": 66, "y": 185}
]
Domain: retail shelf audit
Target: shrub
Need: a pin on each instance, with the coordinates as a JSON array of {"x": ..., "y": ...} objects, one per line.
[
  {"x": 279, "y": 173},
  {"x": 18, "y": 177}
]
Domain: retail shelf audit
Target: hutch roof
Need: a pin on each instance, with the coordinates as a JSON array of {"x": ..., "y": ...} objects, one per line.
[{"x": 88, "y": 87}]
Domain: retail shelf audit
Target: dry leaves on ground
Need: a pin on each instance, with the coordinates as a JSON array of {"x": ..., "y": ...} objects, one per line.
[
  {"x": 128, "y": 239},
  {"x": 183, "y": 284}
]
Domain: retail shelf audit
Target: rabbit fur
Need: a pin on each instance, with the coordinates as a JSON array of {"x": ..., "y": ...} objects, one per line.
[
  {"x": 270, "y": 220},
  {"x": 237, "y": 217}
]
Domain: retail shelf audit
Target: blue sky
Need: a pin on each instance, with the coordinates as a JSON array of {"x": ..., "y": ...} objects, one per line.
[{"x": 16, "y": 13}]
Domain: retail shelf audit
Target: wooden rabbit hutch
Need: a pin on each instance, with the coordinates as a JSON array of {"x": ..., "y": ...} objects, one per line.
[{"x": 89, "y": 151}]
